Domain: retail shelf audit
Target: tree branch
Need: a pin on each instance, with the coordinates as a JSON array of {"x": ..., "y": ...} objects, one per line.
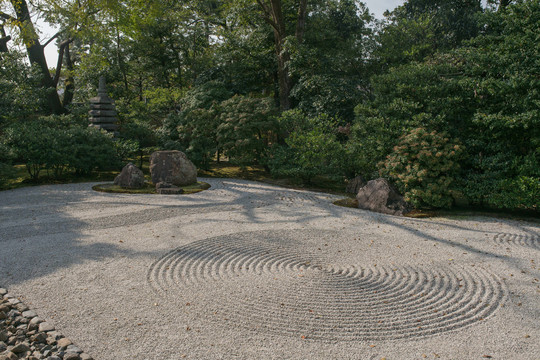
[
  {"x": 267, "y": 15},
  {"x": 5, "y": 16},
  {"x": 51, "y": 39},
  {"x": 63, "y": 46}
]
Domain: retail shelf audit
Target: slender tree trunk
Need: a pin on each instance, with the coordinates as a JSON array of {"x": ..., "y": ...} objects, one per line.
[
  {"x": 70, "y": 82},
  {"x": 3, "y": 40},
  {"x": 36, "y": 54},
  {"x": 301, "y": 22}
]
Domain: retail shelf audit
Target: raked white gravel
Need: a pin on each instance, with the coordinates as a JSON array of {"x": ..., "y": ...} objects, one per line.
[{"x": 247, "y": 270}]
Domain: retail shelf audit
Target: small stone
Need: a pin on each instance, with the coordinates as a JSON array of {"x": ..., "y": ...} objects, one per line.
[
  {"x": 2, "y": 315},
  {"x": 55, "y": 335},
  {"x": 85, "y": 356},
  {"x": 39, "y": 338},
  {"x": 21, "y": 307},
  {"x": 20, "y": 348},
  {"x": 9, "y": 356},
  {"x": 3, "y": 346},
  {"x": 37, "y": 354},
  {"x": 4, "y": 308},
  {"x": 36, "y": 320},
  {"x": 54, "y": 357},
  {"x": 73, "y": 349},
  {"x": 32, "y": 327},
  {"x": 14, "y": 301},
  {"x": 170, "y": 191},
  {"x": 72, "y": 356},
  {"x": 3, "y": 291},
  {"x": 45, "y": 327},
  {"x": 65, "y": 342},
  {"x": 29, "y": 314},
  {"x": 3, "y": 336}
]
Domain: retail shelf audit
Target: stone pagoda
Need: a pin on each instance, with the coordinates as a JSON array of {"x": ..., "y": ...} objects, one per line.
[{"x": 102, "y": 110}]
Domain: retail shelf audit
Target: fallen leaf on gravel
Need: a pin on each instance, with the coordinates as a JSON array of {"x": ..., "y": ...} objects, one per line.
[
  {"x": 303, "y": 337},
  {"x": 372, "y": 346},
  {"x": 527, "y": 336},
  {"x": 487, "y": 356}
]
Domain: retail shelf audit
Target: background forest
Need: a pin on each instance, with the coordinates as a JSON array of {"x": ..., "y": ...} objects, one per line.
[{"x": 442, "y": 97}]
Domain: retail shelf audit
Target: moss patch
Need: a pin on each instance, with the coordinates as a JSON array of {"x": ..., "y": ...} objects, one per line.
[
  {"x": 148, "y": 188},
  {"x": 347, "y": 202}
]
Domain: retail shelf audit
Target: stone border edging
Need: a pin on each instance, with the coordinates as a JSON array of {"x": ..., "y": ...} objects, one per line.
[{"x": 24, "y": 335}]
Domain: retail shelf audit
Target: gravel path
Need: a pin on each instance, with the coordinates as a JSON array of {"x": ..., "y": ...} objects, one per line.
[{"x": 248, "y": 270}]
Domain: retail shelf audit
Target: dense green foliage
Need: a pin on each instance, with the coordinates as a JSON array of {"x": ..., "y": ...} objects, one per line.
[
  {"x": 442, "y": 97},
  {"x": 311, "y": 148},
  {"x": 56, "y": 144}
]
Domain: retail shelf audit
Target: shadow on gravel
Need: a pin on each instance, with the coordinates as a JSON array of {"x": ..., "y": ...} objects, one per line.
[{"x": 38, "y": 235}]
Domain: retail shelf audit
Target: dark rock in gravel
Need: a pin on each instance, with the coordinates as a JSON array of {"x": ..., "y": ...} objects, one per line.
[
  {"x": 172, "y": 167},
  {"x": 131, "y": 177},
  {"x": 3, "y": 336},
  {"x": 20, "y": 348},
  {"x": 379, "y": 196}
]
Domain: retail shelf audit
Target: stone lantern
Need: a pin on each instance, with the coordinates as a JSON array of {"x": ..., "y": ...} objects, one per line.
[{"x": 102, "y": 110}]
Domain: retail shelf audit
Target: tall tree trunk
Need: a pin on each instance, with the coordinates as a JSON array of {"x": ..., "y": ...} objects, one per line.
[
  {"x": 273, "y": 15},
  {"x": 70, "y": 82},
  {"x": 36, "y": 54}
]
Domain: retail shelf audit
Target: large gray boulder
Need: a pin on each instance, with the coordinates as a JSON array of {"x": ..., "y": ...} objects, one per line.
[
  {"x": 172, "y": 167},
  {"x": 379, "y": 196},
  {"x": 355, "y": 184},
  {"x": 131, "y": 177}
]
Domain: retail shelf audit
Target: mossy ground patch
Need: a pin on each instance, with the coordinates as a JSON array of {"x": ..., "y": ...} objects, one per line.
[{"x": 148, "y": 188}]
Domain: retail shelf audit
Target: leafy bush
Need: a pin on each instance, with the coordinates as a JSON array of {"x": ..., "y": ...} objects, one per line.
[
  {"x": 141, "y": 136},
  {"x": 247, "y": 125},
  {"x": 6, "y": 169},
  {"x": 424, "y": 166},
  {"x": 311, "y": 148},
  {"x": 56, "y": 146},
  {"x": 519, "y": 193}
]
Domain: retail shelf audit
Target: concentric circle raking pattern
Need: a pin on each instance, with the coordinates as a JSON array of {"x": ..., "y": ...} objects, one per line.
[
  {"x": 263, "y": 281},
  {"x": 531, "y": 241}
]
